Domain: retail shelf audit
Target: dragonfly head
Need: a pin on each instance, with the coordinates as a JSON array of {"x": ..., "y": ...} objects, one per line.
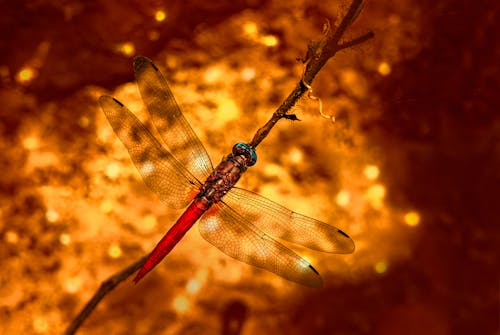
[{"x": 243, "y": 149}]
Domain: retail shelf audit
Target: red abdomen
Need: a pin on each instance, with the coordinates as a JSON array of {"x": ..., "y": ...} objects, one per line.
[{"x": 173, "y": 236}]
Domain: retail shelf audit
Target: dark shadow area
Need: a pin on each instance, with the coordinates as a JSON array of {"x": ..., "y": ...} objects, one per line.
[{"x": 233, "y": 317}]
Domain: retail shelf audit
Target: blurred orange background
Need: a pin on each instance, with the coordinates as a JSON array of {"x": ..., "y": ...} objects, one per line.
[{"x": 409, "y": 170}]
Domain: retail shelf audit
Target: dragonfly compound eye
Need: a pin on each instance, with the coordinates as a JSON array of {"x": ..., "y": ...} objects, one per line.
[{"x": 243, "y": 149}]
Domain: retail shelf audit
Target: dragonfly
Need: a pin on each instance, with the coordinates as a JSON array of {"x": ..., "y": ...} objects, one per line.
[{"x": 239, "y": 222}]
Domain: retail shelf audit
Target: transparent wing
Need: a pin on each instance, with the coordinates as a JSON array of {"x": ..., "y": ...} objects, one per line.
[
  {"x": 285, "y": 224},
  {"x": 168, "y": 119},
  {"x": 235, "y": 236},
  {"x": 159, "y": 169}
]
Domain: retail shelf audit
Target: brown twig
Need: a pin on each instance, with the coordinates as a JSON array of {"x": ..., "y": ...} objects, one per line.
[
  {"x": 318, "y": 54},
  {"x": 107, "y": 286}
]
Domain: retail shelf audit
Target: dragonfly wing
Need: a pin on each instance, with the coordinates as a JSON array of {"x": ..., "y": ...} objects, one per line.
[
  {"x": 223, "y": 227},
  {"x": 159, "y": 169},
  {"x": 285, "y": 224},
  {"x": 168, "y": 119}
]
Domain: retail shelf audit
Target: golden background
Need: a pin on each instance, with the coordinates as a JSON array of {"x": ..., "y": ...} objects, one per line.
[{"x": 412, "y": 164}]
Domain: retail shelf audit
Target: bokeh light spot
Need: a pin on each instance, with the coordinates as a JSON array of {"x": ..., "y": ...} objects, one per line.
[
  {"x": 84, "y": 121},
  {"x": 40, "y": 324},
  {"x": 412, "y": 218},
  {"x": 193, "y": 286},
  {"x": 127, "y": 48},
  {"x": 25, "y": 75},
  {"x": 269, "y": 40},
  {"x": 384, "y": 68},
  {"x": 115, "y": 251},
  {"x": 149, "y": 222},
  {"x": 112, "y": 170},
  {"x": 343, "y": 198},
  {"x": 227, "y": 109},
  {"x": 65, "y": 239},
  {"x": 52, "y": 215},
  {"x": 250, "y": 29},
  {"x": 11, "y": 237},
  {"x": 31, "y": 143},
  {"x": 381, "y": 267},
  {"x": 248, "y": 74},
  {"x": 181, "y": 304},
  {"x": 213, "y": 75},
  {"x": 106, "y": 206},
  {"x": 296, "y": 155},
  {"x": 371, "y": 172},
  {"x": 160, "y": 15},
  {"x": 375, "y": 195},
  {"x": 73, "y": 285}
]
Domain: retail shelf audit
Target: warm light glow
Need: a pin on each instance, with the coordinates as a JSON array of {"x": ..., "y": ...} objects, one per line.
[
  {"x": 149, "y": 222},
  {"x": 160, "y": 15},
  {"x": 52, "y": 215},
  {"x": 250, "y": 28},
  {"x": 106, "y": 206},
  {"x": 112, "y": 170},
  {"x": 31, "y": 143},
  {"x": 371, "y": 172},
  {"x": 248, "y": 74},
  {"x": 25, "y": 75},
  {"x": 227, "y": 109},
  {"x": 65, "y": 239},
  {"x": 11, "y": 237},
  {"x": 40, "y": 324},
  {"x": 213, "y": 74},
  {"x": 269, "y": 40},
  {"x": 381, "y": 267},
  {"x": 181, "y": 304},
  {"x": 193, "y": 286},
  {"x": 73, "y": 285},
  {"x": 296, "y": 155},
  {"x": 127, "y": 48},
  {"x": 83, "y": 122},
  {"x": 343, "y": 198},
  {"x": 412, "y": 218},
  {"x": 384, "y": 68},
  {"x": 115, "y": 251},
  {"x": 375, "y": 194}
]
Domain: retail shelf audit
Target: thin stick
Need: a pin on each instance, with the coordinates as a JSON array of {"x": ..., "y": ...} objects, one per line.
[
  {"x": 107, "y": 286},
  {"x": 318, "y": 54}
]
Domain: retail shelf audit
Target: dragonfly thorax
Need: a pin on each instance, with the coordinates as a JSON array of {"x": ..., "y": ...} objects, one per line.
[{"x": 224, "y": 177}]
